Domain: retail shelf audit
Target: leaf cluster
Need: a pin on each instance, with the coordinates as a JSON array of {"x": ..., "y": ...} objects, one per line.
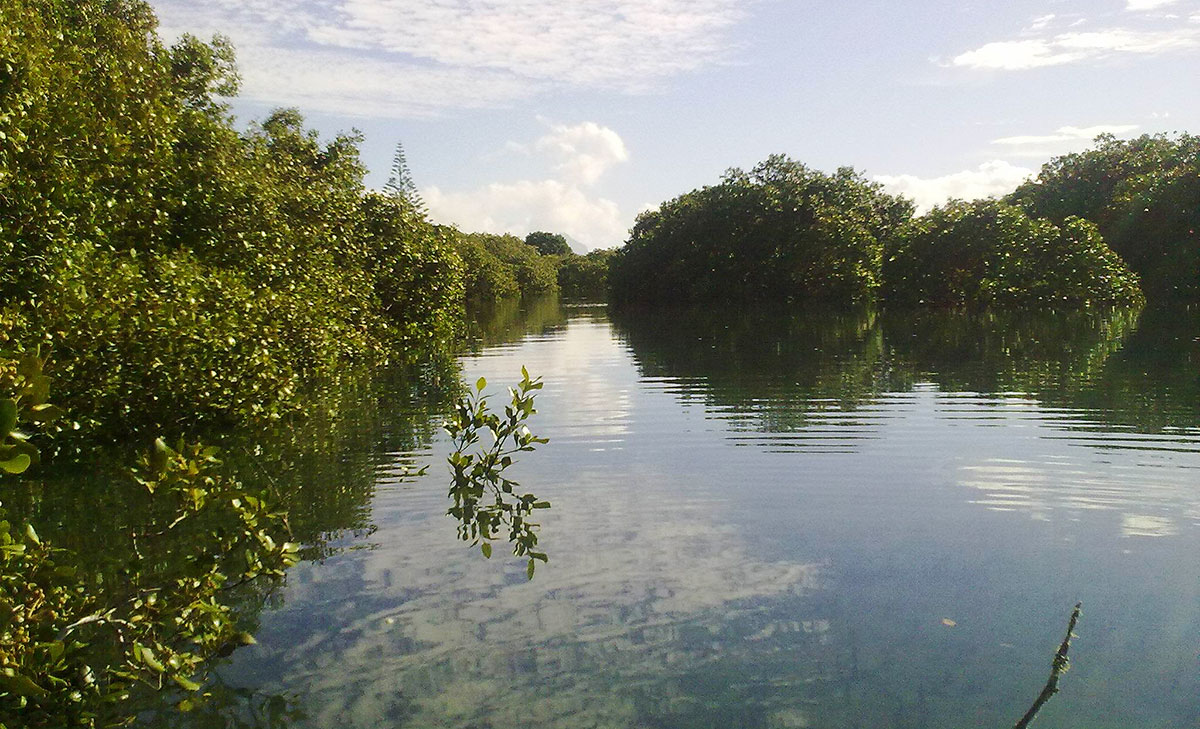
[
  {"x": 988, "y": 253},
  {"x": 485, "y": 502},
  {"x": 181, "y": 270},
  {"x": 499, "y": 267}
]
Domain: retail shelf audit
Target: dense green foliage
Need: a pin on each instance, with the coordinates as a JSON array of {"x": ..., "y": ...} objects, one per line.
[
  {"x": 502, "y": 266},
  {"x": 180, "y": 270},
  {"x": 780, "y": 232},
  {"x": 1144, "y": 194},
  {"x": 75, "y": 642},
  {"x": 1082, "y": 234},
  {"x": 585, "y": 277},
  {"x": 993, "y": 254},
  {"x": 548, "y": 244}
]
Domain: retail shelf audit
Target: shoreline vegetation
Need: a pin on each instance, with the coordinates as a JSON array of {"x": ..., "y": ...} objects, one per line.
[{"x": 163, "y": 273}]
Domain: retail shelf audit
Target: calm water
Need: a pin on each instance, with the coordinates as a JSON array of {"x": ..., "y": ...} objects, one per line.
[{"x": 769, "y": 521}]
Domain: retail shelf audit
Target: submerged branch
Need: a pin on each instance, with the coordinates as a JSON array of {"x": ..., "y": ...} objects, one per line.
[{"x": 1057, "y": 668}]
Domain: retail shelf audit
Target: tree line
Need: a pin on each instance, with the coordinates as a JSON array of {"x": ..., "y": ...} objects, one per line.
[{"x": 1114, "y": 225}]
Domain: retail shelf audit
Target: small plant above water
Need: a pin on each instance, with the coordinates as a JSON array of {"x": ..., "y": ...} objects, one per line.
[{"x": 485, "y": 502}]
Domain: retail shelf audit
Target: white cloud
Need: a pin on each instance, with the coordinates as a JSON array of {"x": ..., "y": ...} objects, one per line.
[
  {"x": 577, "y": 155},
  {"x": 996, "y": 177},
  {"x": 338, "y": 82},
  {"x": 583, "y": 152},
  {"x": 1041, "y": 22},
  {"x": 1016, "y": 55},
  {"x": 1063, "y": 140},
  {"x": 470, "y": 52},
  {"x": 529, "y": 205},
  {"x": 1140, "y": 5},
  {"x": 1075, "y": 47}
]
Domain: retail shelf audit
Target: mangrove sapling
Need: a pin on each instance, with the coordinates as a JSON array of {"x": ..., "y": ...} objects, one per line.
[{"x": 485, "y": 502}]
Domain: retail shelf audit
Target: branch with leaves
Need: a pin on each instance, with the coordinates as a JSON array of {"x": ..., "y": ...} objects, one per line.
[{"x": 485, "y": 502}]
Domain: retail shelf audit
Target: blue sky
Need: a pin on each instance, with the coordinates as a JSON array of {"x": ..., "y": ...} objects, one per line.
[{"x": 521, "y": 115}]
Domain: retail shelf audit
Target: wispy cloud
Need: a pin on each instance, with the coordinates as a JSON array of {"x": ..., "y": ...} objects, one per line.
[
  {"x": 473, "y": 52},
  {"x": 1141, "y": 5},
  {"x": 577, "y": 155},
  {"x": 1041, "y": 22},
  {"x": 1061, "y": 141},
  {"x": 1076, "y": 47},
  {"x": 996, "y": 177}
]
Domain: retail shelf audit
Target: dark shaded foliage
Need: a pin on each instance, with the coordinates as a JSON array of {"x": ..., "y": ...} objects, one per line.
[
  {"x": 781, "y": 232},
  {"x": 585, "y": 277},
  {"x": 1144, "y": 194},
  {"x": 548, "y": 244},
  {"x": 989, "y": 253}
]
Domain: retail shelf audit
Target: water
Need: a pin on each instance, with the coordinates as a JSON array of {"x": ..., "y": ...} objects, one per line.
[{"x": 802, "y": 520}]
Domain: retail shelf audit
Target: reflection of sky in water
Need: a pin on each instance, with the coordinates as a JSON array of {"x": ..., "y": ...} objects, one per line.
[{"x": 866, "y": 566}]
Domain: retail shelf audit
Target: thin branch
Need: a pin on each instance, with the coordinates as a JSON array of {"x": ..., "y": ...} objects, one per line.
[{"x": 1057, "y": 668}]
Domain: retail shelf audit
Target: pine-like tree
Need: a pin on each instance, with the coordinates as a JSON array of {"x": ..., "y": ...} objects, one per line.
[{"x": 400, "y": 183}]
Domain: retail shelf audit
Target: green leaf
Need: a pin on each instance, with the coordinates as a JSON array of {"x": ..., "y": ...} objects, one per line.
[
  {"x": 186, "y": 684},
  {"x": 32, "y": 534},
  {"x": 21, "y": 685},
  {"x": 8, "y": 417},
  {"x": 46, "y": 413},
  {"x": 529, "y": 570},
  {"x": 480, "y": 384},
  {"x": 16, "y": 464},
  {"x": 486, "y": 548}
]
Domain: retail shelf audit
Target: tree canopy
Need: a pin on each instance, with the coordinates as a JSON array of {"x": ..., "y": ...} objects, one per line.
[
  {"x": 989, "y": 253},
  {"x": 781, "y": 231},
  {"x": 1143, "y": 193},
  {"x": 548, "y": 244}
]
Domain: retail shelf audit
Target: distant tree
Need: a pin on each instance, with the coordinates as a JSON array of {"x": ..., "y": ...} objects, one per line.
[
  {"x": 548, "y": 244},
  {"x": 400, "y": 183},
  {"x": 585, "y": 277},
  {"x": 780, "y": 232},
  {"x": 1143, "y": 193},
  {"x": 989, "y": 253},
  {"x": 502, "y": 266}
]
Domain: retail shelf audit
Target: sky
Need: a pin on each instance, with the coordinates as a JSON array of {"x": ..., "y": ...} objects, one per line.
[{"x": 573, "y": 117}]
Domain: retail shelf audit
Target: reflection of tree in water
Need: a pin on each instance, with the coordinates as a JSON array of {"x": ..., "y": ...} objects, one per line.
[
  {"x": 511, "y": 319},
  {"x": 1130, "y": 369},
  {"x": 768, "y": 371},
  {"x": 780, "y": 372},
  {"x": 323, "y": 468},
  {"x": 1004, "y": 352}
]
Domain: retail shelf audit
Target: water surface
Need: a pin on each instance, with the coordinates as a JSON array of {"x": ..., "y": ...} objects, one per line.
[{"x": 769, "y": 520}]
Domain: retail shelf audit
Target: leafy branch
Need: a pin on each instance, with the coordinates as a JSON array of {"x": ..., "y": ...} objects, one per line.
[{"x": 485, "y": 502}]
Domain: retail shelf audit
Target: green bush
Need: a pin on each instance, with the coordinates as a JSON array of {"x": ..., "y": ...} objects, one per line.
[
  {"x": 501, "y": 266},
  {"x": 1142, "y": 193},
  {"x": 781, "y": 232},
  {"x": 586, "y": 276},
  {"x": 989, "y": 253},
  {"x": 182, "y": 271}
]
